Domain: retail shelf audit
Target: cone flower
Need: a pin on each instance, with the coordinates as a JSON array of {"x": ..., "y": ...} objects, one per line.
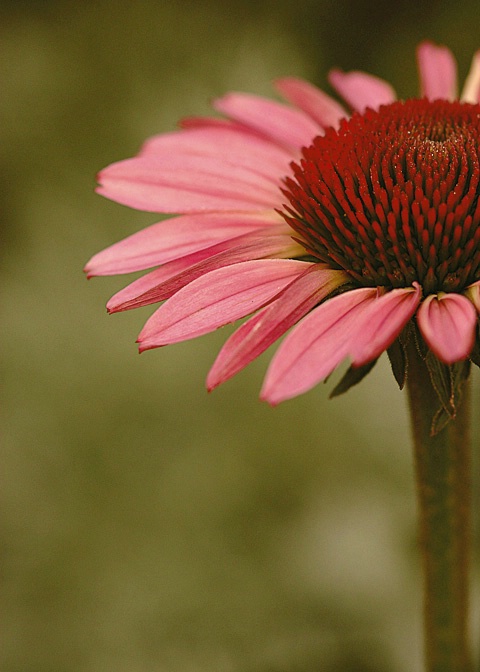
[{"x": 354, "y": 228}]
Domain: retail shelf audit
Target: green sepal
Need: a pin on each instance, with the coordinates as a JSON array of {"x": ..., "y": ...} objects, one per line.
[
  {"x": 447, "y": 381},
  {"x": 422, "y": 347},
  {"x": 397, "y": 354},
  {"x": 398, "y": 362},
  {"x": 353, "y": 376},
  {"x": 440, "y": 420},
  {"x": 475, "y": 354},
  {"x": 442, "y": 381}
]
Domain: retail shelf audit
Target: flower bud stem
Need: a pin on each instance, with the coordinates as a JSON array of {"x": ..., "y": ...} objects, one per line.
[{"x": 443, "y": 484}]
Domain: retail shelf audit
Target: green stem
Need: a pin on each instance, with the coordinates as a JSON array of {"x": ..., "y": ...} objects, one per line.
[{"x": 443, "y": 484}]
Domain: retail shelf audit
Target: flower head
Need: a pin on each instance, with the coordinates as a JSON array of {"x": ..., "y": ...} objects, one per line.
[{"x": 354, "y": 230}]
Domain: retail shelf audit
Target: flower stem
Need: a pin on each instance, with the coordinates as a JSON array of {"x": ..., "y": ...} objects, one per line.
[{"x": 443, "y": 485}]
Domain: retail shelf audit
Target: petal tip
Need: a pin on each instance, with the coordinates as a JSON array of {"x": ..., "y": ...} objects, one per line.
[
  {"x": 272, "y": 396},
  {"x": 141, "y": 345},
  {"x": 211, "y": 383},
  {"x": 268, "y": 400}
]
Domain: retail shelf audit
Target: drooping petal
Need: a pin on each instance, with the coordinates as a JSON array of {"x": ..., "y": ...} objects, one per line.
[
  {"x": 218, "y": 298},
  {"x": 361, "y": 90},
  {"x": 186, "y": 184},
  {"x": 162, "y": 284},
  {"x": 175, "y": 238},
  {"x": 323, "y": 109},
  {"x": 383, "y": 322},
  {"x": 438, "y": 72},
  {"x": 315, "y": 347},
  {"x": 264, "y": 328},
  {"x": 136, "y": 294},
  {"x": 448, "y": 324},
  {"x": 283, "y": 124},
  {"x": 471, "y": 88}
]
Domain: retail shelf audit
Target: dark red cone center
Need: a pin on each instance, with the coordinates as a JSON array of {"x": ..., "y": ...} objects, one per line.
[{"x": 392, "y": 196}]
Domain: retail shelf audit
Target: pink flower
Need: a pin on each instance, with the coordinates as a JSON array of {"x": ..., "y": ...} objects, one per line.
[{"x": 351, "y": 230}]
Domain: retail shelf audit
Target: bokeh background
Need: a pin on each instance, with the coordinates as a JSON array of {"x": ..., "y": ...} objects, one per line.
[{"x": 148, "y": 526}]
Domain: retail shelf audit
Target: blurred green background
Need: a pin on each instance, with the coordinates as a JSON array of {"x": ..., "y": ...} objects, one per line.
[{"x": 148, "y": 526}]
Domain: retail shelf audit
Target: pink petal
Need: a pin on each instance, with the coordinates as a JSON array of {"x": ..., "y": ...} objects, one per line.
[
  {"x": 256, "y": 335},
  {"x": 135, "y": 294},
  {"x": 323, "y": 109},
  {"x": 448, "y": 324},
  {"x": 175, "y": 238},
  {"x": 285, "y": 125},
  {"x": 314, "y": 348},
  {"x": 186, "y": 184},
  {"x": 222, "y": 140},
  {"x": 218, "y": 298},
  {"x": 383, "y": 322},
  {"x": 361, "y": 90},
  {"x": 471, "y": 88},
  {"x": 438, "y": 72},
  {"x": 161, "y": 284}
]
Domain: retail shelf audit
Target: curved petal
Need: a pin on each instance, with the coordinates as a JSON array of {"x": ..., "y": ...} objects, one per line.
[
  {"x": 175, "y": 238},
  {"x": 186, "y": 184},
  {"x": 216, "y": 299},
  {"x": 315, "y": 347},
  {"x": 448, "y": 324},
  {"x": 323, "y": 109},
  {"x": 471, "y": 88},
  {"x": 264, "y": 328},
  {"x": 383, "y": 322},
  {"x": 438, "y": 72},
  {"x": 138, "y": 293},
  {"x": 285, "y": 125},
  {"x": 161, "y": 284},
  {"x": 361, "y": 90}
]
